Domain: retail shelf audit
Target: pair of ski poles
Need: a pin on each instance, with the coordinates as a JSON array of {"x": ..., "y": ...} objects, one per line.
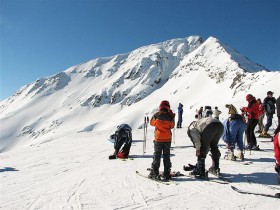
[{"x": 146, "y": 121}]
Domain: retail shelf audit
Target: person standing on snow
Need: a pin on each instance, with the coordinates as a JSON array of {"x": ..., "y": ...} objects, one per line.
[
  {"x": 180, "y": 116},
  {"x": 261, "y": 116},
  {"x": 205, "y": 134},
  {"x": 269, "y": 107},
  {"x": 163, "y": 121},
  {"x": 234, "y": 128},
  {"x": 253, "y": 118},
  {"x": 217, "y": 112},
  {"x": 278, "y": 114}
]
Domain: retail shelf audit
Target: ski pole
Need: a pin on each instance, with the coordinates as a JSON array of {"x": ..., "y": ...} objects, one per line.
[
  {"x": 174, "y": 136},
  {"x": 144, "y": 142}
]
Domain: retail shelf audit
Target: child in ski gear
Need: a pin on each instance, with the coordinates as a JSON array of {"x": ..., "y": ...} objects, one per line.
[
  {"x": 217, "y": 112},
  {"x": 234, "y": 128},
  {"x": 123, "y": 140},
  {"x": 231, "y": 109},
  {"x": 180, "y": 116},
  {"x": 261, "y": 116},
  {"x": 253, "y": 118},
  {"x": 269, "y": 107},
  {"x": 163, "y": 121},
  {"x": 205, "y": 134},
  {"x": 278, "y": 114}
]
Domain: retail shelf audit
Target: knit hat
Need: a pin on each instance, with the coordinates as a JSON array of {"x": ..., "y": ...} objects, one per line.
[
  {"x": 249, "y": 97},
  {"x": 164, "y": 105}
]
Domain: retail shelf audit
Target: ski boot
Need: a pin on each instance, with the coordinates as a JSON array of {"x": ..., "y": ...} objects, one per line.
[
  {"x": 256, "y": 147},
  {"x": 229, "y": 155},
  {"x": 199, "y": 170},
  {"x": 154, "y": 174},
  {"x": 214, "y": 169},
  {"x": 166, "y": 175},
  {"x": 241, "y": 156}
]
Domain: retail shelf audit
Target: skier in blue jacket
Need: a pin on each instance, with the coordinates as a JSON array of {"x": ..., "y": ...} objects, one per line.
[{"x": 180, "y": 116}]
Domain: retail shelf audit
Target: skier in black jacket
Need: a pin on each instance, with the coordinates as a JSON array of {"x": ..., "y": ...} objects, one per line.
[{"x": 269, "y": 107}]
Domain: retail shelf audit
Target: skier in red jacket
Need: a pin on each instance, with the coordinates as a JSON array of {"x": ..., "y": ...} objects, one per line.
[{"x": 253, "y": 118}]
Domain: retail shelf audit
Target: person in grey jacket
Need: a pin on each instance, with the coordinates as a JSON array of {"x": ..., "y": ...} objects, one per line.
[{"x": 205, "y": 134}]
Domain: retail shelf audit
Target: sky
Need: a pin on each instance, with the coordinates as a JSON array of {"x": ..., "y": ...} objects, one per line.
[{"x": 40, "y": 38}]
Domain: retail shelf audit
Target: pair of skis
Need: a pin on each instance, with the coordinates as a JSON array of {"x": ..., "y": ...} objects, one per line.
[{"x": 146, "y": 121}]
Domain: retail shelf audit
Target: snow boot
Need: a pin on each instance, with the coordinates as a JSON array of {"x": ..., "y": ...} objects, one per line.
[
  {"x": 166, "y": 174},
  {"x": 215, "y": 169},
  {"x": 256, "y": 147},
  {"x": 154, "y": 174},
  {"x": 199, "y": 170},
  {"x": 229, "y": 155},
  {"x": 241, "y": 156}
]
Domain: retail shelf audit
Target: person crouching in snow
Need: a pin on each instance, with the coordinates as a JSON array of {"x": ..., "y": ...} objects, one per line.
[
  {"x": 234, "y": 128},
  {"x": 123, "y": 140},
  {"x": 205, "y": 134},
  {"x": 163, "y": 121}
]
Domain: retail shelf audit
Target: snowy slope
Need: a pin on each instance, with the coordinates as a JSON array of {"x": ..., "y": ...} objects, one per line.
[
  {"x": 181, "y": 70},
  {"x": 53, "y": 131}
]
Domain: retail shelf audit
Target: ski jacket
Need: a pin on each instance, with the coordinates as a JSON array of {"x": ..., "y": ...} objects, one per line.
[
  {"x": 261, "y": 109},
  {"x": 277, "y": 148},
  {"x": 278, "y": 106},
  {"x": 163, "y": 122},
  {"x": 231, "y": 128},
  {"x": 197, "y": 127},
  {"x": 269, "y": 105},
  {"x": 252, "y": 110},
  {"x": 180, "y": 110}
]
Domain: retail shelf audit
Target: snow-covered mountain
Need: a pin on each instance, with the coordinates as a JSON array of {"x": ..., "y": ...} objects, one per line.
[
  {"x": 54, "y": 149},
  {"x": 103, "y": 92}
]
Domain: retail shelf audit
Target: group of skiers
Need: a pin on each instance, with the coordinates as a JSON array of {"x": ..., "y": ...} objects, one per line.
[{"x": 205, "y": 134}]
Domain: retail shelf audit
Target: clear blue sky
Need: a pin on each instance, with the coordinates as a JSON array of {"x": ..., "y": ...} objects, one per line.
[{"x": 40, "y": 38}]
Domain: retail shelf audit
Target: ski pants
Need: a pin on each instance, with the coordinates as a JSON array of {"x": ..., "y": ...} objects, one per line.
[
  {"x": 210, "y": 137},
  {"x": 164, "y": 149},
  {"x": 236, "y": 128},
  {"x": 179, "y": 123},
  {"x": 268, "y": 121},
  {"x": 251, "y": 138},
  {"x": 260, "y": 124}
]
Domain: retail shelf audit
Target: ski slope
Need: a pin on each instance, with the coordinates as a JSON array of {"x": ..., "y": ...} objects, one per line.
[{"x": 74, "y": 172}]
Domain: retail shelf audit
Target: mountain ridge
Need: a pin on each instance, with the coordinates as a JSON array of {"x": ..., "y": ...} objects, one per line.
[{"x": 125, "y": 87}]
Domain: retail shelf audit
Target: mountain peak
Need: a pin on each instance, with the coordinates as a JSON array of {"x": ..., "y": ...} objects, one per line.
[{"x": 125, "y": 86}]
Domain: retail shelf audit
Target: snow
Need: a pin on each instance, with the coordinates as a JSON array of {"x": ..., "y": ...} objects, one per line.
[
  {"x": 54, "y": 148},
  {"x": 74, "y": 172}
]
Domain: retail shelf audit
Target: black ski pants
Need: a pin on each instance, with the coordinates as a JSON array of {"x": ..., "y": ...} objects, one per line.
[
  {"x": 251, "y": 138},
  {"x": 210, "y": 137},
  {"x": 164, "y": 149}
]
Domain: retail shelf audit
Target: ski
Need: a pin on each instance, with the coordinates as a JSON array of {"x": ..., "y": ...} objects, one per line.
[
  {"x": 253, "y": 182},
  {"x": 277, "y": 195},
  {"x": 165, "y": 182},
  {"x": 220, "y": 176},
  {"x": 219, "y": 180}
]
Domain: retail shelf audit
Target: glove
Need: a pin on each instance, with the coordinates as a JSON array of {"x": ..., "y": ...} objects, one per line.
[
  {"x": 190, "y": 167},
  {"x": 277, "y": 168},
  {"x": 171, "y": 113}
]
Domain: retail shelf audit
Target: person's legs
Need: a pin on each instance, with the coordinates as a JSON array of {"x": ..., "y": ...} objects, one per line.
[
  {"x": 166, "y": 159},
  {"x": 156, "y": 160}
]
